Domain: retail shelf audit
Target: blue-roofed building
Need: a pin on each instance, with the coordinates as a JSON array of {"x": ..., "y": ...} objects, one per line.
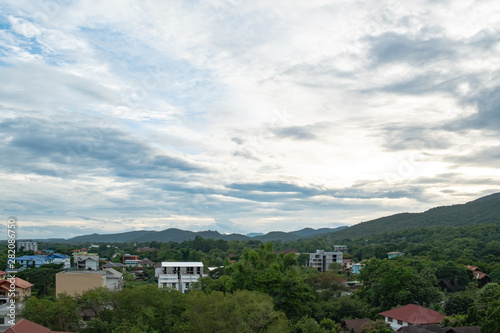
[
  {"x": 391, "y": 255},
  {"x": 39, "y": 260},
  {"x": 58, "y": 258},
  {"x": 33, "y": 261}
]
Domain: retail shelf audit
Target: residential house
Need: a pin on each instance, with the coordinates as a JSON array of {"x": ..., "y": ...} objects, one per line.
[
  {"x": 27, "y": 246},
  {"x": 116, "y": 265},
  {"x": 411, "y": 314},
  {"x": 391, "y": 255},
  {"x": 356, "y": 267},
  {"x": 131, "y": 263},
  {"x": 22, "y": 289},
  {"x": 85, "y": 261},
  {"x": 145, "y": 249},
  {"x": 353, "y": 325},
  {"x": 114, "y": 279},
  {"x": 26, "y": 326},
  {"x": 339, "y": 248},
  {"x": 347, "y": 264},
  {"x": 179, "y": 275},
  {"x": 146, "y": 263},
  {"x": 77, "y": 282},
  {"x": 129, "y": 257},
  {"x": 321, "y": 260},
  {"x": 481, "y": 277}
]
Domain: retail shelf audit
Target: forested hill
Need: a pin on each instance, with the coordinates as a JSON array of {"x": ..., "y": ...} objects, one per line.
[
  {"x": 480, "y": 211},
  {"x": 178, "y": 235}
]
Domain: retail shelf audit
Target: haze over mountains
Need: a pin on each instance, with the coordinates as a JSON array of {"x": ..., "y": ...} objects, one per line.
[{"x": 483, "y": 210}]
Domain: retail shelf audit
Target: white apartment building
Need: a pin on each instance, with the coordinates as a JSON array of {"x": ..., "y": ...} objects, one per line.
[
  {"x": 27, "y": 246},
  {"x": 321, "y": 259},
  {"x": 179, "y": 275}
]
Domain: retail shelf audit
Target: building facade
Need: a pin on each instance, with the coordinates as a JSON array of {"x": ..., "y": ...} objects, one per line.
[
  {"x": 86, "y": 261},
  {"x": 77, "y": 282},
  {"x": 321, "y": 260},
  {"x": 27, "y": 246},
  {"x": 179, "y": 275}
]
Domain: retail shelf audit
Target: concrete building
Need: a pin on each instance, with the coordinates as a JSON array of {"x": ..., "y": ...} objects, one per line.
[
  {"x": 27, "y": 246},
  {"x": 179, "y": 275},
  {"x": 85, "y": 261},
  {"x": 77, "y": 282},
  {"x": 321, "y": 260}
]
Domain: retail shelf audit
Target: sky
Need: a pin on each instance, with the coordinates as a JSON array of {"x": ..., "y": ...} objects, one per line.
[{"x": 243, "y": 116}]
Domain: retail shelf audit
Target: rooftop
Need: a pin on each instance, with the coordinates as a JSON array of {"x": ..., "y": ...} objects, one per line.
[
  {"x": 182, "y": 264},
  {"x": 414, "y": 314}
]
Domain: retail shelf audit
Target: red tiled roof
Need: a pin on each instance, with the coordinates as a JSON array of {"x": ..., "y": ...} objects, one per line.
[
  {"x": 26, "y": 326},
  {"x": 414, "y": 314},
  {"x": 479, "y": 275},
  {"x": 3, "y": 273},
  {"x": 473, "y": 268},
  {"x": 20, "y": 283}
]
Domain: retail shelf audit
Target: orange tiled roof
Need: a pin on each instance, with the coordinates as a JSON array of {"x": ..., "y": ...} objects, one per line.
[
  {"x": 26, "y": 326},
  {"x": 20, "y": 283}
]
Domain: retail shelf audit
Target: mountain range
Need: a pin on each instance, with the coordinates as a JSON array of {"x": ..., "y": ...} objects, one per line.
[
  {"x": 483, "y": 210},
  {"x": 178, "y": 235}
]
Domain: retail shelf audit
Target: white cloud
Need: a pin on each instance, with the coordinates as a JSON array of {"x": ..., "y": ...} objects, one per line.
[{"x": 325, "y": 95}]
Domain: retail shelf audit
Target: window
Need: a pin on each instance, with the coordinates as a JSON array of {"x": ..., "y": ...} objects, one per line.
[
  {"x": 400, "y": 322},
  {"x": 190, "y": 270},
  {"x": 174, "y": 285},
  {"x": 177, "y": 270},
  {"x": 187, "y": 285},
  {"x": 2, "y": 320},
  {"x": 198, "y": 270},
  {"x": 389, "y": 320}
]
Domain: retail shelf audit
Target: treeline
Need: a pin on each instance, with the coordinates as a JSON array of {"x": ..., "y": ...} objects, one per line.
[{"x": 265, "y": 291}]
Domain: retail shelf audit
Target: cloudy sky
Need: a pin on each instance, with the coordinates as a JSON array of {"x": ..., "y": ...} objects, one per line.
[{"x": 243, "y": 116}]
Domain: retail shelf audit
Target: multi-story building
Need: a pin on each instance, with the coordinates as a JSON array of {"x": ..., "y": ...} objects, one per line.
[
  {"x": 27, "y": 246},
  {"x": 321, "y": 260},
  {"x": 179, "y": 275},
  {"x": 85, "y": 261},
  {"x": 77, "y": 282}
]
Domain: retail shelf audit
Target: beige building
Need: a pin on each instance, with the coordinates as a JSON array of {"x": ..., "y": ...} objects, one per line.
[{"x": 77, "y": 282}]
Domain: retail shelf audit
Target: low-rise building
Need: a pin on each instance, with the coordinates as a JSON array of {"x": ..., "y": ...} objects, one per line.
[
  {"x": 129, "y": 257},
  {"x": 85, "y": 261},
  {"x": 321, "y": 260},
  {"x": 356, "y": 267},
  {"x": 77, "y": 282},
  {"x": 391, "y": 255},
  {"x": 179, "y": 275},
  {"x": 411, "y": 314},
  {"x": 340, "y": 248},
  {"x": 22, "y": 289}
]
